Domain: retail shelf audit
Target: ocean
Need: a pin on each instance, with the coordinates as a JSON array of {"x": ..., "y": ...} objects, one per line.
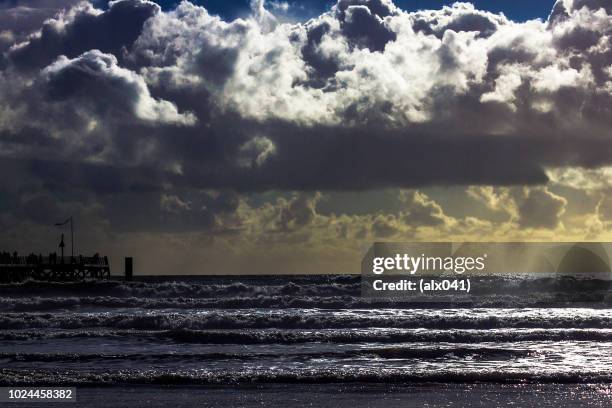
[{"x": 308, "y": 341}]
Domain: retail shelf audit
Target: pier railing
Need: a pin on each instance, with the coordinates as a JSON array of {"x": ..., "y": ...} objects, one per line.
[
  {"x": 32, "y": 260},
  {"x": 52, "y": 268}
]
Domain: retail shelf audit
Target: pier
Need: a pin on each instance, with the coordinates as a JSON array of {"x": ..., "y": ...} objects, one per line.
[{"x": 52, "y": 268}]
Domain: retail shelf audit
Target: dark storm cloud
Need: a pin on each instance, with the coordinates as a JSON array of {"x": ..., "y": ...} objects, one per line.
[
  {"x": 467, "y": 19},
  {"x": 118, "y": 93},
  {"x": 299, "y": 212},
  {"x": 541, "y": 209},
  {"x": 365, "y": 96},
  {"x": 364, "y": 27},
  {"x": 112, "y": 31},
  {"x": 578, "y": 4},
  {"x": 25, "y": 16},
  {"x": 20, "y": 18},
  {"x": 380, "y": 8},
  {"x": 422, "y": 211},
  {"x": 384, "y": 228},
  {"x": 163, "y": 212}
]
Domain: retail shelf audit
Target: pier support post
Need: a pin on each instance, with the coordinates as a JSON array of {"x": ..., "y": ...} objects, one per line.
[{"x": 129, "y": 272}]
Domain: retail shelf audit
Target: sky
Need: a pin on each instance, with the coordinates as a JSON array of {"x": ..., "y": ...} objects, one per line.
[
  {"x": 515, "y": 10},
  {"x": 280, "y": 137}
]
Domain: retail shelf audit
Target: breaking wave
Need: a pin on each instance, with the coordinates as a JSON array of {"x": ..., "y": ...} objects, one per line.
[
  {"x": 220, "y": 330},
  {"x": 330, "y": 292},
  {"x": 342, "y": 336},
  {"x": 313, "y": 319},
  {"x": 312, "y": 376}
]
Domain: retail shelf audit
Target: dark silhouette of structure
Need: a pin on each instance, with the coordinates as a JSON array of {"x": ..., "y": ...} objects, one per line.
[
  {"x": 129, "y": 268},
  {"x": 62, "y": 245},
  {"x": 16, "y": 268},
  {"x": 54, "y": 268}
]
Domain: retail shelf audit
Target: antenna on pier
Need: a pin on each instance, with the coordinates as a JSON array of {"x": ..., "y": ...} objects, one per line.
[
  {"x": 59, "y": 224},
  {"x": 62, "y": 245}
]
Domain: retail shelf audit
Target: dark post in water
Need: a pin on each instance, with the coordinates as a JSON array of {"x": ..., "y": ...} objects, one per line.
[{"x": 128, "y": 268}]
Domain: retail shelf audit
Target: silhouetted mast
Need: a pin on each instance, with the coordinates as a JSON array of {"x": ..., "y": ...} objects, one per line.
[
  {"x": 62, "y": 245},
  {"x": 59, "y": 224}
]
